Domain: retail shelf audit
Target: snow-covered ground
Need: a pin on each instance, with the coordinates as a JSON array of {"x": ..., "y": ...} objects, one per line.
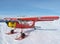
[{"x": 49, "y": 33}]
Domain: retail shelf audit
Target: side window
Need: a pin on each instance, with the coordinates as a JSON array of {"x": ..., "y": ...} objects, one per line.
[
  {"x": 19, "y": 21},
  {"x": 22, "y": 22},
  {"x": 25, "y": 22}
]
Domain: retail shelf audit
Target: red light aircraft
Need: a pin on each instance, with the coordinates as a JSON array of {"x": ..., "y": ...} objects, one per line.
[{"x": 23, "y": 23}]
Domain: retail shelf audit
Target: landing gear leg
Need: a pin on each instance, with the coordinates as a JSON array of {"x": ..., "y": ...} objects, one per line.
[
  {"x": 11, "y": 32},
  {"x": 22, "y": 36},
  {"x": 34, "y": 28}
]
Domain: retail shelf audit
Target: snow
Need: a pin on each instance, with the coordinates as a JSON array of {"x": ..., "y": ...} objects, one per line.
[{"x": 49, "y": 33}]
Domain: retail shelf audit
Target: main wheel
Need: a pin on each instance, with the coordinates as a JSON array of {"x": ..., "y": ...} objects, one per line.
[
  {"x": 12, "y": 31},
  {"x": 23, "y": 35}
]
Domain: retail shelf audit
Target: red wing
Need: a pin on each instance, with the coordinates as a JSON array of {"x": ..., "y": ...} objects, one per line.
[{"x": 44, "y": 18}]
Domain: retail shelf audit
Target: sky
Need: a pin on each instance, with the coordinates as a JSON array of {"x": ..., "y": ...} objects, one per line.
[{"x": 29, "y": 7}]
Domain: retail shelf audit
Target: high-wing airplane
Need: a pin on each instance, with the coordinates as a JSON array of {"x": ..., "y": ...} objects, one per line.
[{"x": 25, "y": 22}]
